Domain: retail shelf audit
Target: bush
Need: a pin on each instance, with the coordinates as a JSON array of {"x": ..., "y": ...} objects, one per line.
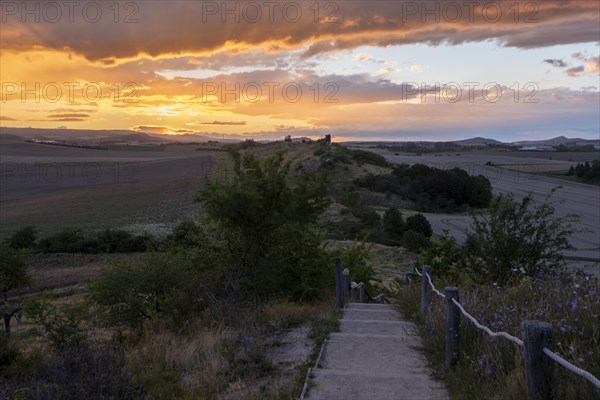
[
  {"x": 24, "y": 238},
  {"x": 414, "y": 241},
  {"x": 517, "y": 240},
  {"x": 108, "y": 241},
  {"x": 61, "y": 325},
  {"x": 368, "y": 157},
  {"x": 160, "y": 286},
  {"x": 187, "y": 234},
  {"x": 13, "y": 270},
  {"x": 393, "y": 223},
  {"x": 420, "y": 224},
  {"x": 432, "y": 189},
  {"x": 268, "y": 230},
  {"x": 356, "y": 257}
]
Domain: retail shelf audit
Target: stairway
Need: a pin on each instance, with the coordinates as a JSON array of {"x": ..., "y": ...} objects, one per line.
[{"x": 374, "y": 356}]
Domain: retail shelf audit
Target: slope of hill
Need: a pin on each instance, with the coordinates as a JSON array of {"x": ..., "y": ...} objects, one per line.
[{"x": 476, "y": 141}]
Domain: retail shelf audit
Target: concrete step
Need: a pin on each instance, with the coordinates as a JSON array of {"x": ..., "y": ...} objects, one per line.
[
  {"x": 397, "y": 328},
  {"x": 373, "y": 352},
  {"x": 333, "y": 384},
  {"x": 368, "y": 306},
  {"x": 371, "y": 314}
]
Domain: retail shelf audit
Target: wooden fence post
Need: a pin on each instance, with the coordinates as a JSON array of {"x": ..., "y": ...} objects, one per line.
[
  {"x": 425, "y": 292},
  {"x": 361, "y": 289},
  {"x": 538, "y": 367},
  {"x": 407, "y": 279},
  {"x": 339, "y": 290},
  {"x": 346, "y": 282},
  {"x": 452, "y": 327}
]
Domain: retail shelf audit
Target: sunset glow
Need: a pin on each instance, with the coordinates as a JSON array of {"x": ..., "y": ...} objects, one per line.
[{"x": 376, "y": 70}]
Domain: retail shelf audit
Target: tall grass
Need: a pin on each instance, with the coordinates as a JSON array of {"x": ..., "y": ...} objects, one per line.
[{"x": 492, "y": 368}]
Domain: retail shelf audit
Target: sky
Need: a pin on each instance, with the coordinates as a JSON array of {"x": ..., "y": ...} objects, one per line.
[{"x": 359, "y": 70}]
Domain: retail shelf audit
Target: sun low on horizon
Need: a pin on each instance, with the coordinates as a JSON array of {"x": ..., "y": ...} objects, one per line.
[{"x": 362, "y": 70}]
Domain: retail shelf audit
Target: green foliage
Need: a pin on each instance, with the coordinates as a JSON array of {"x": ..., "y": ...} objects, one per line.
[
  {"x": 493, "y": 369},
  {"x": 24, "y": 238},
  {"x": 13, "y": 270},
  {"x": 419, "y": 224},
  {"x": 187, "y": 234},
  {"x": 586, "y": 172},
  {"x": 61, "y": 325},
  {"x": 517, "y": 240},
  {"x": 267, "y": 228},
  {"x": 445, "y": 258},
  {"x": 368, "y": 157},
  {"x": 414, "y": 241},
  {"x": 393, "y": 223},
  {"x": 432, "y": 189},
  {"x": 356, "y": 257},
  {"x": 159, "y": 286},
  {"x": 108, "y": 241}
]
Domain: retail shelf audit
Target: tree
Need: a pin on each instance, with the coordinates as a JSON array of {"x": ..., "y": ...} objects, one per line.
[
  {"x": 571, "y": 171},
  {"x": 13, "y": 275},
  {"x": 393, "y": 223},
  {"x": 419, "y": 223},
  {"x": 517, "y": 240},
  {"x": 414, "y": 241},
  {"x": 268, "y": 228},
  {"x": 478, "y": 191}
]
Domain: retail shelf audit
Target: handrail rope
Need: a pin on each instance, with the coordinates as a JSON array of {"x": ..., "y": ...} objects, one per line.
[
  {"x": 573, "y": 368},
  {"x": 433, "y": 287},
  {"x": 417, "y": 271},
  {"x": 485, "y": 328}
]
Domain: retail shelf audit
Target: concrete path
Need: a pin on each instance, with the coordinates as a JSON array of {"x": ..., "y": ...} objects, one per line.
[{"x": 373, "y": 357}]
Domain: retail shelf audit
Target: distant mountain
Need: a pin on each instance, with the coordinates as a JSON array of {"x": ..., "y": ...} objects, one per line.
[
  {"x": 476, "y": 141},
  {"x": 550, "y": 142},
  {"x": 63, "y": 134},
  {"x": 136, "y": 138},
  {"x": 104, "y": 136},
  {"x": 6, "y": 138}
]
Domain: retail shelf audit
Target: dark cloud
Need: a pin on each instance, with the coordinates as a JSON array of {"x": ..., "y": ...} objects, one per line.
[
  {"x": 178, "y": 28},
  {"x": 557, "y": 62},
  {"x": 5, "y": 118}
]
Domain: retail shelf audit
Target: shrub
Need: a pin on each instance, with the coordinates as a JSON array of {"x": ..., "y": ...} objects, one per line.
[
  {"x": 356, "y": 257},
  {"x": 187, "y": 234},
  {"x": 393, "y": 223},
  {"x": 24, "y": 238},
  {"x": 432, "y": 189},
  {"x": 368, "y": 157},
  {"x": 268, "y": 229},
  {"x": 13, "y": 270},
  {"x": 414, "y": 241},
  {"x": 420, "y": 224},
  {"x": 517, "y": 240},
  {"x": 159, "y": 286},
  {"x": 61, "y": 325}
]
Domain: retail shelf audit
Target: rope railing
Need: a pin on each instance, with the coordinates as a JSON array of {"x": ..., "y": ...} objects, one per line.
[
  {"x": 485, "y": 328},
  {"x": 553, "y": 356},
  {"x": 433, "y": 287},
  {"x": 573, "y": 368}
]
